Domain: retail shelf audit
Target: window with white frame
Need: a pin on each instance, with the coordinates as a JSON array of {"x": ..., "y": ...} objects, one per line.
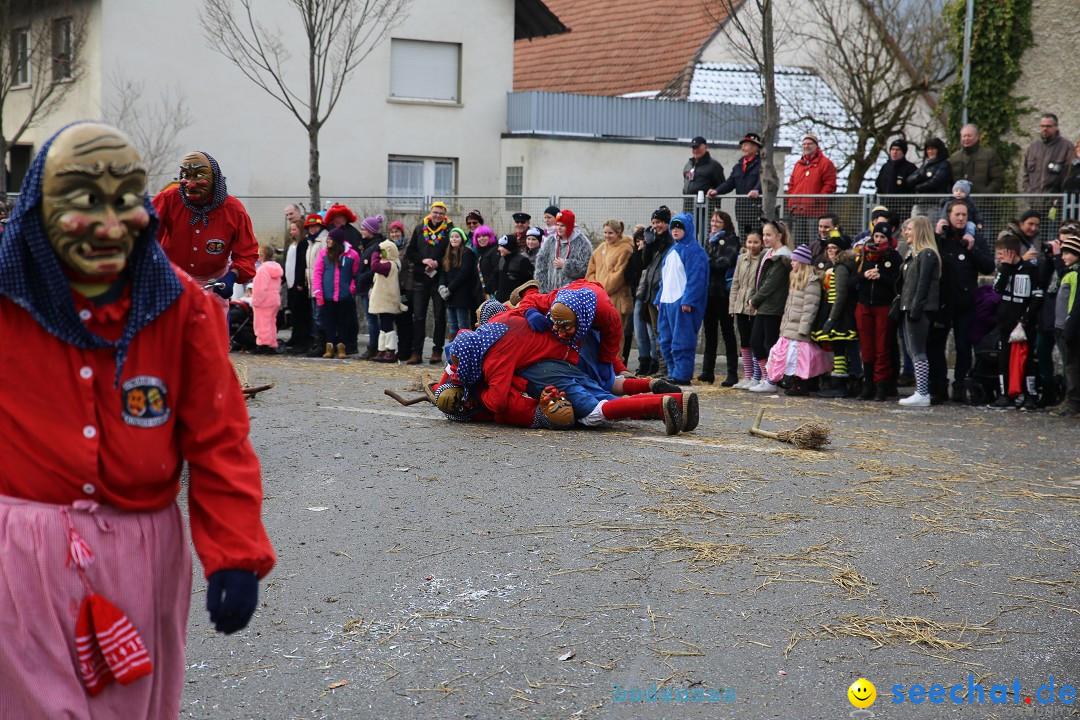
[
  {"x": 515, "y": 182},
  {"x": 20, "y": 56},
  {"x": 414, "y": 177},
  {"x": 422, "y": 70},
  {"x": 62, "y": 49}
]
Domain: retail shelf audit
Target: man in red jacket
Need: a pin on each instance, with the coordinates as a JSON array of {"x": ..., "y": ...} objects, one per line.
[
  {"x": 814, "y": 174},
  {"x": 205, "y": 230},
  {"x": 120, "y": 375}
]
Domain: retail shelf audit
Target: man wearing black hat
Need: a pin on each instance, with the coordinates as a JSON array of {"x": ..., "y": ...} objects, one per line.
[
  {"x": 701, "y": 172},
  {"x": 745, "y": 180},
  {"x": 514, "y": 268},
  {"x": 657, "y": 242},
  {"x": 521, "y": 226},
  {"x": 892, "y": 180}
]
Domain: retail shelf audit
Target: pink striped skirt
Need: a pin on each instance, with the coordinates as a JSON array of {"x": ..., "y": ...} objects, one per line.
[{"x": 141, "y": 564}]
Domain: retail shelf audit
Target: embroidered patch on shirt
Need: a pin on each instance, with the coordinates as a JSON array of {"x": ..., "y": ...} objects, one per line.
[
  {"x": 215, "y": 247},
  {"x": 145, "y": 402}
]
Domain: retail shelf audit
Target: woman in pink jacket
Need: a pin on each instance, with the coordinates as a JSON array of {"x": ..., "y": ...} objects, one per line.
[
  {"x": 334, "y": 285},
  {"x": 266, "y": 300}
]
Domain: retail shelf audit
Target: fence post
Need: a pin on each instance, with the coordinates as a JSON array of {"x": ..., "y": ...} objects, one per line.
[{"x": 701, "y": 218}]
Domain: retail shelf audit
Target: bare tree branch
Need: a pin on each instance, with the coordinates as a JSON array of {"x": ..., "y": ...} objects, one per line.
[
  {"x": 152, "y": 126},
  {"x": 338, "y": 35},
  {"x": 51, "y": 76}
]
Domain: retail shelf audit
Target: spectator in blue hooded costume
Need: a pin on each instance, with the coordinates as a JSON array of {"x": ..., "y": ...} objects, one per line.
[{"x": 681, "y": 299}]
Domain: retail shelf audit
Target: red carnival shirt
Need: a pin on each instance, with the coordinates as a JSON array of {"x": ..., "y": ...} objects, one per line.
[
  {"x": 68, "y": 432},
  {"x": 205, "y": 251}
]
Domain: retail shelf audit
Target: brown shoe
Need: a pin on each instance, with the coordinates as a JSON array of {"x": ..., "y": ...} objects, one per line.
[
  {"x": 414, "y": 359},
  {"x": 341, "y": 351},
  {"x": 436, "y": 358},
  {"x": 329, "y": 351}
]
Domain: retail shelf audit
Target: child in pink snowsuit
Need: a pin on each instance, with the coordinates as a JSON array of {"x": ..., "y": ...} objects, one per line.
[{"x": 266, "y": 298}]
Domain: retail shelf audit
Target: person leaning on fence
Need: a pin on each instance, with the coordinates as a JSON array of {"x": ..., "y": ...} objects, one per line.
[
  {"x": 981, "y": 165},
  {"x": 1047, "y": 159},
  {"x": 564, "y": 257},
  {"x": 963, "y": 258},
  {"x": 723, "y": 251},
  {"x": 934, "y": 176},
  {"x": 607, "y": 267},
  {"x": 745, "y": 180},
  {"x": 701, "y": 172},
  {"x": 813, "y": 174}
]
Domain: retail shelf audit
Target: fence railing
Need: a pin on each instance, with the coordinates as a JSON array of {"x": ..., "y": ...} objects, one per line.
[{"x": 799, "y": 211}]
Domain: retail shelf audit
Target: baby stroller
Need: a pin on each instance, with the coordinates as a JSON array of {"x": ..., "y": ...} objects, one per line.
[
  {"x": 241, "y": 327},
  {"x": 983, "y": 386}
]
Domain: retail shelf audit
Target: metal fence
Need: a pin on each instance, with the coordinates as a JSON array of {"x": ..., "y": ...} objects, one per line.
[{"x": 995, "y": 211}]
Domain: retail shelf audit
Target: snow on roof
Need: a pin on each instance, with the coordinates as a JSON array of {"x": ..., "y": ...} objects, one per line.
[{"x": 800, "y": 94}]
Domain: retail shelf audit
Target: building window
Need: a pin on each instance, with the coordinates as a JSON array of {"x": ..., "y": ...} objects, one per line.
[
  {"x": 20, "y": 56},
  {"x": 61, "y": 49},
  {"x": 414, "y": 178},
  {"x": 514, "y": 186},
  {"x": 421, "y": 70}
]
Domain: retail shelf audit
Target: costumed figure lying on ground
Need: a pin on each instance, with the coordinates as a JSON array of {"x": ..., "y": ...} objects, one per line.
[
  {"x": 132, "y": 357},
  {"x": 204, "y": 230},
  {"x": 505, "y": 363}
]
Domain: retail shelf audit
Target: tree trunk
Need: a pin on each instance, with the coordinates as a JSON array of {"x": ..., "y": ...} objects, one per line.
[
  {"x": 313, "y": 167},
  {"x": 770, "y": 182}
]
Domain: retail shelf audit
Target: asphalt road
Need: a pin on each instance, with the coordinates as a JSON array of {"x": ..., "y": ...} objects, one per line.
[{"x": 429, "y": 569}]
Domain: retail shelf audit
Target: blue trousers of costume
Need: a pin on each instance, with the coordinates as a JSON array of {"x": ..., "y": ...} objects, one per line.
[
  {"x": 677, "y": 332},
  {"x": 582, "y": 390}
]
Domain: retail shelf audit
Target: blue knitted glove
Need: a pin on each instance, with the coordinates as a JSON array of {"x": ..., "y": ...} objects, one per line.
[
  {"x": 537, "y": 321},
  {"x": 231, "y": 597},
  {"x": 229, "y": 279}
]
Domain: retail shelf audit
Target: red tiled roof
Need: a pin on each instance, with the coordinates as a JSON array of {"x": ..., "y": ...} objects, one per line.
[{"x": 614, "y": 46}]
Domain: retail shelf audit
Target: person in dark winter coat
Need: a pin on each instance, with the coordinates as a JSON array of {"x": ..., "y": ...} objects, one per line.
[
  {"x": 963, "y": 258},
  {"x": 514, "y": 268},
  {"x": 768, "y": 296},
  {"x": 920, "y": 298},
  {"x": 458, "y": 279},
  {"x": 634, "y": 272},
  {"x": 422, "y": 257},
  {"x": 370, "y": 238},
  {"x": 657, "y": 242},
  {"x": 893, "y": 178},
  {"x": 878, "y": 267},
  {"x": 486, "y": 250},
  {"x": 745, "y": 180},
  {"x": 1017, "y": 314},
  {"x": 723, "y": 252},
  {"x": 701, "y": 172},
  {"x": 935, "y": 174}
]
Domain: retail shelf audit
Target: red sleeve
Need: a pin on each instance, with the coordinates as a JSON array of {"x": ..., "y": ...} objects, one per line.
[
  {"x": 245, "y": 248},
  {"x": 520, "y": 410},
  {"x": 225, "y": 486},
  {"x": 542, "y": 302},
  {"x": 498, "y": 370},
  {"x": 828, "y": 179},
  {"x": 163, "y": 221}
]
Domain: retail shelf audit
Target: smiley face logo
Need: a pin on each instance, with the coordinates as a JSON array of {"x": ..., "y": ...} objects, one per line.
[{"x": 862, "y": 693}]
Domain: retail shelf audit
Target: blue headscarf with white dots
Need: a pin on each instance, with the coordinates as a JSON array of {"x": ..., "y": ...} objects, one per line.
[
  {"x": 582, "y": 302},
  {"x": 32, "y": 276},
  {"x": 470, "y": 348}
]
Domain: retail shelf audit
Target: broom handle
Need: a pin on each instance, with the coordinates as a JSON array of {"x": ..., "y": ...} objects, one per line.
[{"x": 756, "y": 428}]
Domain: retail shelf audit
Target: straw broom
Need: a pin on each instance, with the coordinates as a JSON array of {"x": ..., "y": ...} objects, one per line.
[{"x": 808, "y": 436}]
